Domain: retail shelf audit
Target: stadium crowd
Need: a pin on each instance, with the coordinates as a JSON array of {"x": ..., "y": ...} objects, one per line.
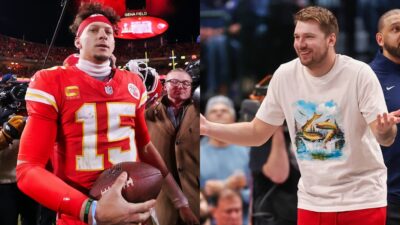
[{"x": 29, "y": 56}]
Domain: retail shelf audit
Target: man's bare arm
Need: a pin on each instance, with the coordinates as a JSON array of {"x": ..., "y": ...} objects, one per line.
[{"x": 254, "y": 133}]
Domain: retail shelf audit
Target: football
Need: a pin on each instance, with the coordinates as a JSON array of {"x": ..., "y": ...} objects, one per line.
[{"x": 143, "y": 183}]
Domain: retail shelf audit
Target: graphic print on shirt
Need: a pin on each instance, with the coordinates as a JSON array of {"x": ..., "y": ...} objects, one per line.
[{"x": 318, "y": 134}]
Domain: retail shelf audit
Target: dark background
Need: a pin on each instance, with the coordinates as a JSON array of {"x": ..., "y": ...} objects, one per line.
[{"x": 36, "y": 21}]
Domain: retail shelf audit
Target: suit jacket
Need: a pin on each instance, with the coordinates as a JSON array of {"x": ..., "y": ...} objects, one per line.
[{"x": 180, "y": 149}]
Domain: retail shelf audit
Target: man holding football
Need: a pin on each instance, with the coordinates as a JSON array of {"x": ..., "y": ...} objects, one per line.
[{"x": 96, "y": 115}]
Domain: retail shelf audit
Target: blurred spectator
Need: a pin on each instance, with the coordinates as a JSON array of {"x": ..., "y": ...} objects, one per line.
[
  {"x": 215, "y": 17},
  {"x": 223, "y": 165},
  {"x": 228, "y": 208},
  {"x": 256, "y": 39}
]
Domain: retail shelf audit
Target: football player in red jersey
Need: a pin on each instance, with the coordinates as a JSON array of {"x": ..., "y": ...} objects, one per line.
[{"x": 96, "y": 116}]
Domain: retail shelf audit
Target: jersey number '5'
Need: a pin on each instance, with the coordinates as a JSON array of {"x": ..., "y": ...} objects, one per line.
[{"x": 90, "y": 160}]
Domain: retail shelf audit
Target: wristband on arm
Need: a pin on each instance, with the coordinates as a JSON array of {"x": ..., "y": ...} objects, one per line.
[
  {"x": 94, "y": 206},
  {"x": 87, "y": 208}
]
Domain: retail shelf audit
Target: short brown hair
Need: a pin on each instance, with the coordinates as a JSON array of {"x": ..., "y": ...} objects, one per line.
[
  {"x": 180, "y": 70},
  {"x": 227, "y": 194},
  {"x": 381, "y": 22},
  {"x": 327, "y": 21},
  {"x": 89, "y": 9}
]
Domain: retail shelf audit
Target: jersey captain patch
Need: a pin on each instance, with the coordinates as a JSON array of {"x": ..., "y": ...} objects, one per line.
[{"x": 72, "y": 92}]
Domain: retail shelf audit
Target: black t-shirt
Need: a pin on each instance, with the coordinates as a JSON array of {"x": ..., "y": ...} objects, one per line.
[{"x": 273, "y": 204}]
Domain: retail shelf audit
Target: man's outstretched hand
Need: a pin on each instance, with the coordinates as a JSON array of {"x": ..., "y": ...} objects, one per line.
[
  {"x": 384, "y": 127},
  {"x": 387, "y": 120}
]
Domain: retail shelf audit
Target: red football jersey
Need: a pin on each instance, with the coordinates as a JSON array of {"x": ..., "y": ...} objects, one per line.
[{"x": 99, "y": 123}]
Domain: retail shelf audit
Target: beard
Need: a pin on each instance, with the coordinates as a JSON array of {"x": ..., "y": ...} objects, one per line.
[
  {"x": 393, "y": 50},
  {"x": 101, "y": 58},
  {"x": 315, "y": 60}
]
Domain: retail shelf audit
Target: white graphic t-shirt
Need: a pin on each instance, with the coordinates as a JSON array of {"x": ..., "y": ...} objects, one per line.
[{"x": 340, "y": 161}]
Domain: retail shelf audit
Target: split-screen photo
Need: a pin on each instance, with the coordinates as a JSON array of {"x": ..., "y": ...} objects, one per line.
[{"x": 203, "y": 112}]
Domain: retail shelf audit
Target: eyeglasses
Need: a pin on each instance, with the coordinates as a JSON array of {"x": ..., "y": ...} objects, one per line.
[{"x": 176, "y": 82}]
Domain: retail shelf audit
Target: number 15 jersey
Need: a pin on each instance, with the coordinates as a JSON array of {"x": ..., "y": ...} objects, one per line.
[{"x": 99, "y": 123}]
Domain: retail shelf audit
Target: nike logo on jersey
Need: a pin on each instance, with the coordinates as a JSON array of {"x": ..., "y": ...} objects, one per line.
[{"x": 388, "y": 88}]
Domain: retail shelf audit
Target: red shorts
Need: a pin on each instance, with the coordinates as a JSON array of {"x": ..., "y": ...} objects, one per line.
[{"x": 374, "y": 216}]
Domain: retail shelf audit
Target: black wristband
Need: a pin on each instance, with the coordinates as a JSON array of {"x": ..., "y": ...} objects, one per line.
[{"x": 87, "y": 208}]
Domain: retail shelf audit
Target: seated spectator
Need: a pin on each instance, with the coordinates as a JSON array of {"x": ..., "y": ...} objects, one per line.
[
  {"x": 228, "y": 209},
  {"x": 223, "y": 165}
]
